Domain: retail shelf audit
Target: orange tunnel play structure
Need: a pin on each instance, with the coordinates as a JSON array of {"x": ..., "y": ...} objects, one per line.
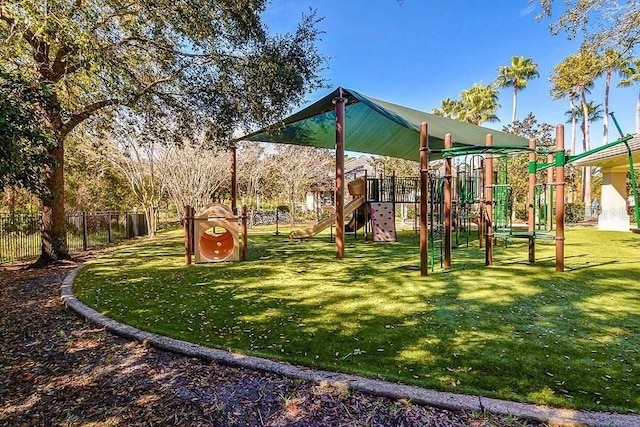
[{"x": 216, "y": 235}]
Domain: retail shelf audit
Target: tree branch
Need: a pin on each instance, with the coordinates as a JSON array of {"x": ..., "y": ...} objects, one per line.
[
  {"x": 40, "y": 47},
  {"x": 89, "y": 110}
]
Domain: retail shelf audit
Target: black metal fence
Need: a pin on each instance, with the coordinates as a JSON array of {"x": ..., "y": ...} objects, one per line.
[
  {"x": 20, "y": 237},
  {"x": 255, "y": 218}
]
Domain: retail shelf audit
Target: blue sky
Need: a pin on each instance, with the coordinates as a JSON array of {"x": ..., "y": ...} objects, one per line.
[{"x": 418, "y": 52}]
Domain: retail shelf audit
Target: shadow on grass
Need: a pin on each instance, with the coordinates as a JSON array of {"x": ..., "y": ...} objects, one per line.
[{"x": 513, "y": 330}]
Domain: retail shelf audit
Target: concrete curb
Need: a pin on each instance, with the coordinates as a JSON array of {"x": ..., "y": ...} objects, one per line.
[{"x": 391, "y": 390}]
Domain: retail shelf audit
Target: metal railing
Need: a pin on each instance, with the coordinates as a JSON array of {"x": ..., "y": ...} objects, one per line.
[{"x": 21, "y": 239}]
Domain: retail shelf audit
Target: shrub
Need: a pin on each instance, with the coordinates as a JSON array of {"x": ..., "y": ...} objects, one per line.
[{"x": 574, "y": 212}]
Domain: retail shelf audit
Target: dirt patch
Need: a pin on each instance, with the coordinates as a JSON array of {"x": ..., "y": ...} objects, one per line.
[{"x": 57, "y": 369}]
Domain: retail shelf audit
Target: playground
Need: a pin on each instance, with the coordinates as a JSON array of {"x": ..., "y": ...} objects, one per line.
[
  {"x": 511, "y": 330},
  {"x": 463, "y": 300}
]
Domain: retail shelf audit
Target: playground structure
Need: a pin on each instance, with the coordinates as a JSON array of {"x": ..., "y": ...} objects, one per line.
[
  {"x": 384, "y": 128},
  {"x": 214, "y": 234},
  {"x": 356, "y": 206}
]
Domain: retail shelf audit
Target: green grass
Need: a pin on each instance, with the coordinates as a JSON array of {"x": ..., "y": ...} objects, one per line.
[{"x": 514, "y": 331}]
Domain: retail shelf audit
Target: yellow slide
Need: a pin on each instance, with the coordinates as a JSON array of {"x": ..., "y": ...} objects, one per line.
[{"x": 312, "y": 231}]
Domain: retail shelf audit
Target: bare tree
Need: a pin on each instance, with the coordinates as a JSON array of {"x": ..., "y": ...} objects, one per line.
[
  {"x": 194, "y": 173},
  {"x": 253, "y": 169},
  {"x": 298, "y": 168},
  {"x": 139, "y": 159}
]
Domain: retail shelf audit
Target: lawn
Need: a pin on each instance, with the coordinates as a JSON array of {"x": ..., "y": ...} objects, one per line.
[{"x": 513, "y": 331}]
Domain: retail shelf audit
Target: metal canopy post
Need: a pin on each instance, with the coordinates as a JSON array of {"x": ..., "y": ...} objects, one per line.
[
  {"x": 424, "y": 188},
  {"x": 340, "y": 101}
]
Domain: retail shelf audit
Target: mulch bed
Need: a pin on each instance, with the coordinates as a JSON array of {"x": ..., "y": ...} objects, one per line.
[{"x": 56, "y": 369}]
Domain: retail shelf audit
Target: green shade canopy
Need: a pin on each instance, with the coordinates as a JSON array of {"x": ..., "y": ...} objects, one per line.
[{"x": 376, "y": 127}]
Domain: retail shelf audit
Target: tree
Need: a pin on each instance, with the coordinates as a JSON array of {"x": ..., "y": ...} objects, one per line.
[
  {"x": 594, "y": 112},
  {"x": 194, "y": 173},
  {"x": 91, "y": 182},
  {"x": 138, "y": 155},
  {"x": 23, "y": 151},
  {"x": 611, "y": 61},
  {"x": 631, "y": 75},
  {"x": 253, "y": 169},
  {"x": 393, "y": 165},
  {"x": 575, "y": 74},
  {"x": 517, "y": 166},
  {"x": 298, "y": 168},
  {"x": 448, "y": 108},
  {"x": 516, "y": 76},
  {"x": 163, "y": 57},
  {"x": 476, "y": 105},
  {"x": 604, "y": 23}
]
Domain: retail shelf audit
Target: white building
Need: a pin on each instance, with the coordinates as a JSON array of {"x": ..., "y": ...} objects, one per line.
[{"x": 614, "y": 165}]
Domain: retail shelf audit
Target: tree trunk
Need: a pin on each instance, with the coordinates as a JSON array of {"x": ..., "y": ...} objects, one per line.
[
  {"x": 54, "y": 232},
  {"x": 573, "y": 126},
  {"x": 515, "y": 103},
  {"x": 152, "y": 226},
  {"x": 586, "y": 183}
]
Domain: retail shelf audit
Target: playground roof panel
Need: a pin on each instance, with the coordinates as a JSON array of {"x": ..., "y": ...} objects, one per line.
[
  {"x": 615, "y": 157},
  {"x": 376, "y": 127}
]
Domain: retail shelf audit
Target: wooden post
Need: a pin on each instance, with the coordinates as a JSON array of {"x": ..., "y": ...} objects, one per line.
[
  {"x": 367, "y": 208},
  {"x": 109, "y": 231},
  {"x": 531, "y": 220},
  {"x": 245, "y": 250},
  {"x": 481, "y": 202},
  {"x": 447, "y": 203},
  {"x": 234, "y": 184},
  {"x": 549, "y": 196},
  {"x": 187, "y": 237},
  {"x": 340, "y": 133},
  {"x": 192, "y": 229},
  {"x": 424, "y": 189},
  {"x": 488, "y": 179},
  {"x": 393, "y": 196},
  {"x": 85, "y": 237},
  {"x": 560, "y": 161}
]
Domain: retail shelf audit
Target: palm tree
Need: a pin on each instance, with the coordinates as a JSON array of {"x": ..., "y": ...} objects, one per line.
[
  {"x": 576, "y": 74},
  {"x": 594, "y": 110},
  {"x": 517, "y": 75},
  {"x": 631, "y": 75},
  {"x": 478, "y": 104},
  {"x": 448, "y": 108},
  {"x": 611, "y": 61}
]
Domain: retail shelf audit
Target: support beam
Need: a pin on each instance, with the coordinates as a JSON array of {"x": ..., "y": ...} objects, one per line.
[
  {"x": 447, "y": 203},
  {"x": 234, "y": 184},
  {"x": 560, "y": 162},
  {"x": 549, "y": 196},
  {"x": 424, "y": 193},
  {"x": 488, "y": 182},
  {"x": 340, "y": 104},
  {"x": 187, "y": 234},
  {"x": 531, "y": 219}
]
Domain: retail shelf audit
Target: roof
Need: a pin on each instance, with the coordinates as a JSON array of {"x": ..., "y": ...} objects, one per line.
[
  {"x": 358, "y": 165},
  {"x": 615, "y": 157},
  {"x": 376, "y": 127}
]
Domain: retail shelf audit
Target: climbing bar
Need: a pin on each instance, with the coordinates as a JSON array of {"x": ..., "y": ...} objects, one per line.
[
  {"x": 470, "y": 149},
  {"x": 576, "y": 157}
]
